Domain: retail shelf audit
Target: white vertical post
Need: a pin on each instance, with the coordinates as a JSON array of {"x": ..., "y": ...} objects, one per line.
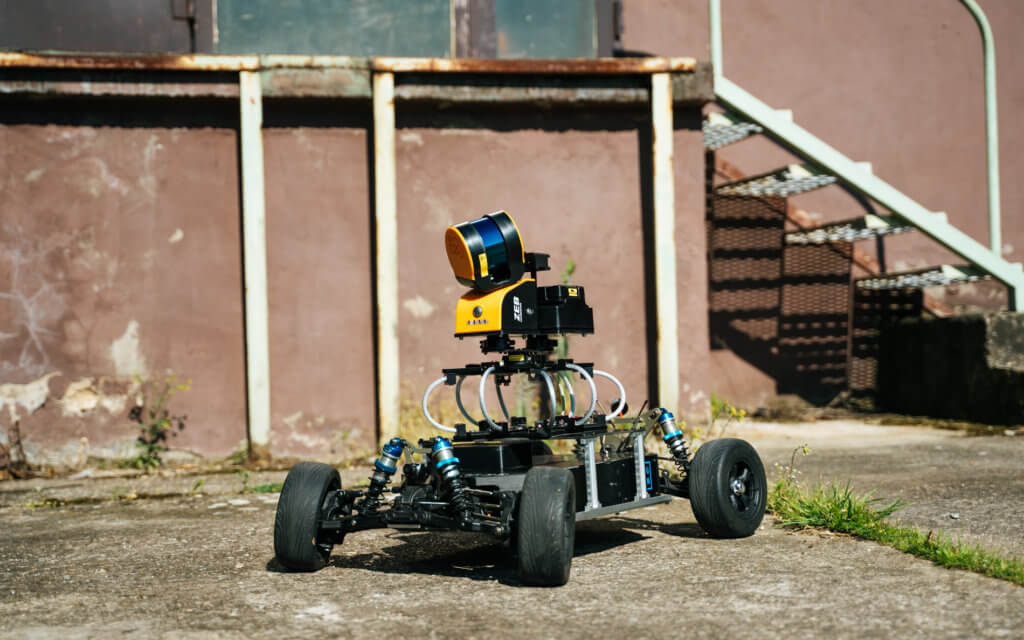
[
  {"x": 715, "y": 33},
  {"x": 665, "y": 241},
  {"x": 386, "y": 222},
  {"x": 254, "y": 257}
]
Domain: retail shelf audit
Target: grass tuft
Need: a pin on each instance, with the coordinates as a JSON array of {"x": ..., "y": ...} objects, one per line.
[
  {"x": 270, "y": 487},
  {"x": 837, "y": 508}
]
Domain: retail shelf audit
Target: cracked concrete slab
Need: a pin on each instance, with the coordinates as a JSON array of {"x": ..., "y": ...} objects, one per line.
[{"x": 201, "y": 566}]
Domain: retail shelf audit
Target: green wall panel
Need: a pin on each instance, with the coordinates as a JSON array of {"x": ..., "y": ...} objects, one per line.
[
  {"x": 545, "y": 29},
  {"x": 338, "y": 27}
]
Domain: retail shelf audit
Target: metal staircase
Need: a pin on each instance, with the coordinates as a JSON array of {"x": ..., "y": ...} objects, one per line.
[
  {"x": 748, "y": 115},
  {"x": 786, "y": 300}
]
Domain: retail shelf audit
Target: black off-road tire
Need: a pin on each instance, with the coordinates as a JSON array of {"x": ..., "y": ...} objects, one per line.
[
  {"x": 728, "y": 488},
  {"x": 546, "y": 526},
  {"x": 540, "y": 448},
  {"x": 299, "y": 508}
]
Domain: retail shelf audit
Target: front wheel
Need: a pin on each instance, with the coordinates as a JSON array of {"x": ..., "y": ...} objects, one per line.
[
  {"x": 297, "y": 544},
  {"x": 546, "y": 529},
  {"x": 728, "y": 488}
]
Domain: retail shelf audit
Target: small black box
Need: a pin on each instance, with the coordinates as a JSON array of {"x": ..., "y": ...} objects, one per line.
[{"x": 508, "y": 456}]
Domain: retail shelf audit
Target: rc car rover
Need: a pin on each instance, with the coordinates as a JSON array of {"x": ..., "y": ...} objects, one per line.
[{"x": 496, "y": 474}]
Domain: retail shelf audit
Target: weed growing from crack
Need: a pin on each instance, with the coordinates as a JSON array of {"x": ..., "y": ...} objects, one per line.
[
  {"x": 155, "y": 421},
  {"x": 836, "y": 507}
]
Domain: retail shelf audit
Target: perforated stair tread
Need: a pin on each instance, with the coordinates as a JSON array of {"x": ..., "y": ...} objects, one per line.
[
  {"x": 723, "y": 129},
  {"x": 862, "y": 228},
  {"x": 783, "y": 183},
  {"x": 921, "y": 278}
]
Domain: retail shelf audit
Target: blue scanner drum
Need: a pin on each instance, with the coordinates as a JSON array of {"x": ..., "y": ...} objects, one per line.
[{"x": 486, "y": 253}]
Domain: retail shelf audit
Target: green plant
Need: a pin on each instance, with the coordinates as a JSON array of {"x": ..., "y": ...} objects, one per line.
[
  {"x": 244, "y": 475},
  {"x": 270, "y": 487},
  {"x": 836, "y": 507},
  {"x": 197, "y": 487},
  {"x": 155, "y": 421},
  {"x": 723, "y": 413},
  {"x": 239, "y": 456}
]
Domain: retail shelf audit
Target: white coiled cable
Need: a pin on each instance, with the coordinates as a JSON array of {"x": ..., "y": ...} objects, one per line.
[
  {"x": 483, "y": 387},
  {"x": 593, "y": 390},
  {"x": 622, "y": 392},
  {"x": 426, "y": 413}
]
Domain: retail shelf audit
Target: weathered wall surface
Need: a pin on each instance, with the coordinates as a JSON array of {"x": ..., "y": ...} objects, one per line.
[
  {"x": 122, "y": 259},
  {"x": 321, "y": 305},
  {"x": 119, "y": 258}
]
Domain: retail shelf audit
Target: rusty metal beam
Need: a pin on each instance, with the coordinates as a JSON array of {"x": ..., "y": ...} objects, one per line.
[
  {"x": 331, "y": 82},
  {"x": 532, "y": 95},
  {"x": 55, "y": 60},
  {"x": 566, "y": 66},
  {"x": 220, "y": 62},
  {"x": 137, "y": 84}
]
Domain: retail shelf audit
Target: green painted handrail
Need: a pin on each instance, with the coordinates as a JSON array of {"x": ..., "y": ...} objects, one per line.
[{"x": 991, "y": 126}]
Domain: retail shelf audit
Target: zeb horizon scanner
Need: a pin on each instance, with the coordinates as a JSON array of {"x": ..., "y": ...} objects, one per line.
[{"x": 487, "y": 255}]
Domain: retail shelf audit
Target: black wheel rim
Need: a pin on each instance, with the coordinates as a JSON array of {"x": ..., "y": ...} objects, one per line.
[{"x": 743, "y": 488}]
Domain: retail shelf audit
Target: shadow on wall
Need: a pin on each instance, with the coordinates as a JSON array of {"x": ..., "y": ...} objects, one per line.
[{"x": 784, "y": 309}]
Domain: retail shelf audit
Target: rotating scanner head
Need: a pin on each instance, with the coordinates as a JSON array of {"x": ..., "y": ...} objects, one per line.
[{"x": 486, "y": 253}]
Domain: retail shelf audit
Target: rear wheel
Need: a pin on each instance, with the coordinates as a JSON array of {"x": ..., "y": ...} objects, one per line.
[
  {"x": 728, "y": 488},
  {"x": 296, "y": 542},
  {"x": 546, "y": 529}
]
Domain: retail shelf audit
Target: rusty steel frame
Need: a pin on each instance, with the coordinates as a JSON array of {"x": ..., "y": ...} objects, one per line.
[
  {"x": 218, "y": 62},
  {"x": 252, "y": 77}
]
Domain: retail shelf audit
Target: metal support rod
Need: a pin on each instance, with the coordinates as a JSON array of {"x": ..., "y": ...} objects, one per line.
[
  {"x": 386, "y": 224},
  {"x": 590, "y": 475},
  {"x": 665, "y": 241},
  {"x": 991, "y": 127},
  {"x": 254, "y": 258},
  {"x": 640, "y": 465}
]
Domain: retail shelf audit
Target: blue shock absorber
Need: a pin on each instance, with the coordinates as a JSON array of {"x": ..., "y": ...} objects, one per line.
[
  {"x": 673, "y": 437},
  {"x": 446, "y": 464},
  {"x": 383, "y": 468}
]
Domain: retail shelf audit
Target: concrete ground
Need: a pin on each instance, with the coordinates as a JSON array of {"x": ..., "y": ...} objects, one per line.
[{"x": 201, "y": 566}]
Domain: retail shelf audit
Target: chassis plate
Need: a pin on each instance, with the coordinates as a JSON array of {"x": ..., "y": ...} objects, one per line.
[{"x": 625, "y": 506}]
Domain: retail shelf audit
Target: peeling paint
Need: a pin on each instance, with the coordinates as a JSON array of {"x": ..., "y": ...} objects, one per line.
[
  {"x": 698, "y": 397},
  {"x": 292, "y": 420},
  {"x": 310, "y": 441},
  {"x": 176, "y": 237},
  {"x": 82, "y": 396},
  {"x": 411, "y": 137},
  {"x": 30, "y": 396},
  {"x": 34, "y": 175},
  {"x": 79, "y": 398},
  {"x": 97, "y": 185},
  {"x": 148, "y": 181},
  {"x": 125, "y": 354},
  {"x": 419, "y": 307},
  {"x": 114, "y": 404}
]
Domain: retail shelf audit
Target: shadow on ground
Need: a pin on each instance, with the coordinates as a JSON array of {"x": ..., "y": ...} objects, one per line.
[{"x": 476, "y": 557}]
